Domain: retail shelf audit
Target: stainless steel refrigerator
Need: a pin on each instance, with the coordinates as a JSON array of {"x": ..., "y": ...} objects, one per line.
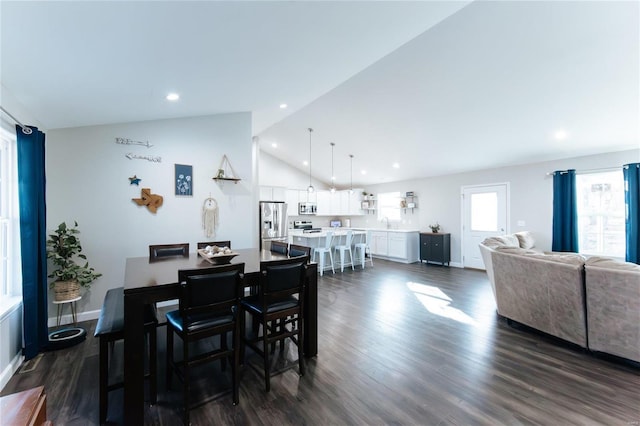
[{"x": 273, "y": 222}]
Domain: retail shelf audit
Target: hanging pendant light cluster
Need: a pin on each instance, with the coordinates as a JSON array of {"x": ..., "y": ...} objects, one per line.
[
  {"x": 333, "y": 177},
  {"x": 310, "y": 187},
  {"x": 351, "y": 186}
]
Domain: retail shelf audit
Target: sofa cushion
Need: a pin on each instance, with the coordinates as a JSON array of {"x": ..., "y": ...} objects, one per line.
[
  {"x": 525, "y": 239},
  {"x": 568, "y": 258},
  {"x": 608, "y": 263},
  {"x": 501, "y": 241},
  {"x": 515, "y": 250}
]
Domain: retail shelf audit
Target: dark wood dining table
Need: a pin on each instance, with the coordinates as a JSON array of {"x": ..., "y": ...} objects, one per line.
[{"x": 149, "y": 281}]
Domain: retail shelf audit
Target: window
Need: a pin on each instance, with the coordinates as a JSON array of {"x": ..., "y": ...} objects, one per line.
[
  {"x": 601, "y": 227},
  {"x": 389, "y": 206},
  {"x": 10, "y": 276}
]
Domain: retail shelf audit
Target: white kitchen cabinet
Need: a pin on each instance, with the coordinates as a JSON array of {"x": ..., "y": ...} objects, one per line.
[
  {"x": 273, "y": 193},
  {"x": 324, "y": 203},
  {"x": 399, "y": 246},
  {"x": 379, "y": 243},
  {"x": 305, "y": 196},
  {"x": 292, "y": 199}
]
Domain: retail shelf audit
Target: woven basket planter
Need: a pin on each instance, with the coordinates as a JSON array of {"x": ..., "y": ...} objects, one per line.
[{"x": 66, "y": 290}]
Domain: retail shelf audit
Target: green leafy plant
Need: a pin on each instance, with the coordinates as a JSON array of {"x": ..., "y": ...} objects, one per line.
[
  {"x": 435, "y": 228},
  {"x": 63, "y": 248}
]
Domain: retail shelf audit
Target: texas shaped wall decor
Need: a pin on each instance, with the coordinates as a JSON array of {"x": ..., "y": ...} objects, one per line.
[{"x": 151, "y": 201}]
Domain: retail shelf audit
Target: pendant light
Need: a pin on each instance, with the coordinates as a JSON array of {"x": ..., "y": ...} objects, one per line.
[
  {"x": 310, "y": 188},
  {"x": 351, "y": 187},
  {"x": 333, "y": 177}
]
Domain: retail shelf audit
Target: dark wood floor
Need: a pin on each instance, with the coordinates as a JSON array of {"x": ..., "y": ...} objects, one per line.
[{"x": 398, "y": 344}]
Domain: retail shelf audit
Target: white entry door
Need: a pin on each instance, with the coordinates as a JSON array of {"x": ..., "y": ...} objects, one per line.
[{"x": 484, "y": 214}]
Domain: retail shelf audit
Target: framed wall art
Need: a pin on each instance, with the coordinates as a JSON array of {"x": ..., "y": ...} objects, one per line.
[{"x": 184, "y": 180}]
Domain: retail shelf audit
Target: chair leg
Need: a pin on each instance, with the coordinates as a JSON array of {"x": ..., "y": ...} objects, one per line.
[
  {"x": 169, "y": 369},
  {"x": 185, "y": 381},
  {"x": 153, "y": 366},
  {"x": 265, "y": 355},
  {"x": 331, "y": 259},
  {"x": 301, "y": 365},
  {"x": 235, "y": 365},
  {"x": 321, "y": 255},
  {"x": 223, "y": 346},
  {"x": 104, "y": 379},
  {"x": 351, "y": 258}
]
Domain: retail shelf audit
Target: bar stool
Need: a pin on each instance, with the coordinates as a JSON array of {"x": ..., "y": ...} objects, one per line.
[
  {"x": 321, "y": 251},
  {"x": 362, "y": 248},
  {"x": 345, "y": 248}
]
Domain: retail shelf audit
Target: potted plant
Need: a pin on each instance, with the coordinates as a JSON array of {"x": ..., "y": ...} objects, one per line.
[
  {"x": 63, "y": 248},
  {"x": 435, "y": 228}
]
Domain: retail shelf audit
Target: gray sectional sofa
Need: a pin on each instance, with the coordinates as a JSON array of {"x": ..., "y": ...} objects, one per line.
[{"x": 594, "y": 303}]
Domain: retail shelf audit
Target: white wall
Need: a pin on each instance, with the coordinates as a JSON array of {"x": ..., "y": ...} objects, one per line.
[
  {"x": 87, "y": 182},
  {"x": 531, "y": 193}
]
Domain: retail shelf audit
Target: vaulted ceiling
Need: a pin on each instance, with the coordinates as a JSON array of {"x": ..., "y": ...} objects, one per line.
[{"x": 436, "y": 87}]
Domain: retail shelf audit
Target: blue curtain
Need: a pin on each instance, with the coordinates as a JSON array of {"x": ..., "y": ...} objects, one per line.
[
  {"x": 33, "y": 234},
  {"x": 631, "y": 174},
  {"x": 565, "y": 212}
]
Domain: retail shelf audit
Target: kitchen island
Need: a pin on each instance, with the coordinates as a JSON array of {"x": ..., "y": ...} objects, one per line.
[{"x": 398, "y": 245}]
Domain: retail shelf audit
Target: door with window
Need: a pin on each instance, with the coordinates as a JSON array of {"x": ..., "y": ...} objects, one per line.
[{"x": 484, "y": 214}]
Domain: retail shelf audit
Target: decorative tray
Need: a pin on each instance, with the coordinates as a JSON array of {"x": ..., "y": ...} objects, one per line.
[{"x": 217, "y": 258}]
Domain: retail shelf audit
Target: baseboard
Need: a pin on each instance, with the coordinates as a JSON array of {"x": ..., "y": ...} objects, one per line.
[
  {"x": 68, "y": 319},
  {"x": 91, "y": 315},
  {"x": 13, "y": 366}
]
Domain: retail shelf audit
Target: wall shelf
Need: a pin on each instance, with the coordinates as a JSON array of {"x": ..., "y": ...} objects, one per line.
[
  {"x": 226, "y": 172},
  {"x": 234, "y": 180}
]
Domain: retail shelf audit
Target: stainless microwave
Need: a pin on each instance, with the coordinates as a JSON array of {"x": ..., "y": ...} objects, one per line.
[{"x": 306, "y": 208}]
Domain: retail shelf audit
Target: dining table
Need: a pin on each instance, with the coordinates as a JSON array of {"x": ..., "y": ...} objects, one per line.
[{"x": 148, "y": 281}]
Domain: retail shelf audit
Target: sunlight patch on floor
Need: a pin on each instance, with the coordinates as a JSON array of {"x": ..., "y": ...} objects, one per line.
[{"x": 438, "y": 303}]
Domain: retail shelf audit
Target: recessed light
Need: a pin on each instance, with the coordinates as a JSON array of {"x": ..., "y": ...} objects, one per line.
[
  {"x": 396, "y": 165},
  {"x": 173, "y": 97},
  {"x": 364, "y": 172},
  {"x": 275, "y": 145},
  {"x": 283, "y": 106},
  {"x": 560, "y": 135},
  {"x": 305, "y": 162}
]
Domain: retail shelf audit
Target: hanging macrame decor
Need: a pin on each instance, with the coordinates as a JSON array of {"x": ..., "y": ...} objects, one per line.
[{"x": 210, "y": 217}]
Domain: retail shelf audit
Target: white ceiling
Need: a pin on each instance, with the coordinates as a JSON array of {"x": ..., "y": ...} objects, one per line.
[{"x": 439, "y": 87}]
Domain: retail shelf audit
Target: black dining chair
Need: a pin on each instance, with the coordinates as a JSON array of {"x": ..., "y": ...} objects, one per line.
[
  {"x": 208, "y": 308},
  {"x": 204, "y": 244},
  {"x": 157, "y": 251},
  {"x": 296, "y": 250},
  {"x": 278, "y": 308},
  {"x": 279, "y": 247}
]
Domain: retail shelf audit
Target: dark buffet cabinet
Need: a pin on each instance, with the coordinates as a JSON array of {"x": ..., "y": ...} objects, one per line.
[{"x": 435, "y": 247}]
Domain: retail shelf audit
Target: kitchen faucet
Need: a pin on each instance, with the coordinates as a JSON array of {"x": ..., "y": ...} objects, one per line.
[{"x": 386, "y": 220}]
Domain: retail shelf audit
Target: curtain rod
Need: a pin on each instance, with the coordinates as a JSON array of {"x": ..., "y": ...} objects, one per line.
[
  {"x": 603, "y": 169},
  {"x": 26, "y": 130}
]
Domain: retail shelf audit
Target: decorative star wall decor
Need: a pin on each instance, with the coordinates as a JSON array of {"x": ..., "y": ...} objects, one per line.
[{"x": 135, "y": 180}]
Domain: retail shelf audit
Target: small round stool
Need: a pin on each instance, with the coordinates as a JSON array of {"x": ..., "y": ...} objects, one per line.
[{"x": 72, "y": 304}]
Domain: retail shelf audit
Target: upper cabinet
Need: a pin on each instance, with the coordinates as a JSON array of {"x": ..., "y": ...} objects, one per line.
[
  {"x": 273, "y": 193},
  {"x": 339, "y": 203}
]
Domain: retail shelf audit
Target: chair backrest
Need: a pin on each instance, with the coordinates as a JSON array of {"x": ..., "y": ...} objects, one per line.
[
  {"x": 328, "y": 240},
  {"x": 215, "y": 292},
  {"x": 184, "y": 273},
  {"x": 282, "y": 278},
  {"x": 296, "y": 250},
  {"x": 349, "y": 238},
  {"x": 204, "y": 244},
  {"x": 279, "y": 247},
  {"x": 168, "y": 250}
]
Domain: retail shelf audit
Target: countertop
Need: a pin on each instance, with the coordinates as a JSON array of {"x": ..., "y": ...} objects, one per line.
[{"x": 343, "y": 231}]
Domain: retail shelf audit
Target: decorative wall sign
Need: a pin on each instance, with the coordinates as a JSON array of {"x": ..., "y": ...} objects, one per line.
[
  {"x": 152, "y": 158},
  {"x": 135, "y": 180},
  {"x": 151, "y": 201},
  {"x": 184, "y": 179},
  {"x": 127, "y": 141}
]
